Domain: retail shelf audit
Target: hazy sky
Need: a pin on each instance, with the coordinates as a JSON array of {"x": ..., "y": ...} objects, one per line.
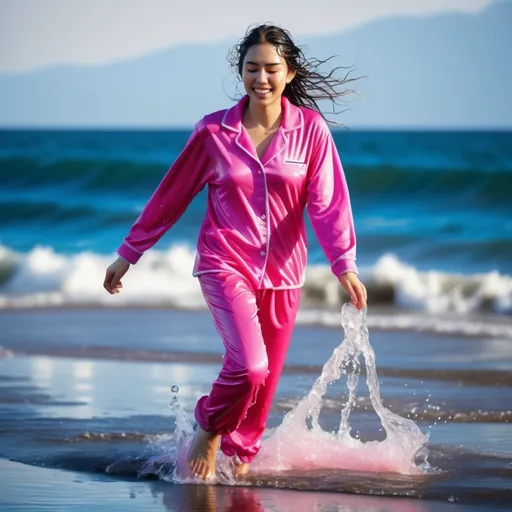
[{"x": 39, "y": 33}]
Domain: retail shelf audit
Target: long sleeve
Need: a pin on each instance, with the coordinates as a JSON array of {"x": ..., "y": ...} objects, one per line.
[
  {"x": 182, "y": 182},
  {"x": 328, "y": 207}
]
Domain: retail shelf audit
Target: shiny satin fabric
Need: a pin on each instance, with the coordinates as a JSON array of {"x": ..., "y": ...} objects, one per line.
[
  {"x": 254, "y": 224},
  {"x": 255, "y": 327}
]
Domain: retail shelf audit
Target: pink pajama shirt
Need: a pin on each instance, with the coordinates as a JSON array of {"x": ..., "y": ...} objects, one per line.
[{"x": 252, "y": 248}]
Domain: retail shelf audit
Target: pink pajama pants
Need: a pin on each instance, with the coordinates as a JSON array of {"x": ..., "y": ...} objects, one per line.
[{"x": 255, "y": 327}]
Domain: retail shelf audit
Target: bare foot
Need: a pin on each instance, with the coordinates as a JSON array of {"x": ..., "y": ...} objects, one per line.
[
  {"x": 239, "y": 467},
  {"x": 202, "y": 453}
]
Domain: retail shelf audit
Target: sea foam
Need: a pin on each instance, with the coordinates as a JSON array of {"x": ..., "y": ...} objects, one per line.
[{"x": 414, "y": 299}]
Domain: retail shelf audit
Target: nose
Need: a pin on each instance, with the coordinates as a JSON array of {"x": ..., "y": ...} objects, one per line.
[{"x": 262, "y": 77}]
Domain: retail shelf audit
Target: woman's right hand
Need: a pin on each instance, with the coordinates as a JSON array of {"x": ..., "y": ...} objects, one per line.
[{"x": 114, "y": 275}]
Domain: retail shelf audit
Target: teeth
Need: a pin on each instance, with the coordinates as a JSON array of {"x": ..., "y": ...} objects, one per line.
[{"x": 262, "y": 91}]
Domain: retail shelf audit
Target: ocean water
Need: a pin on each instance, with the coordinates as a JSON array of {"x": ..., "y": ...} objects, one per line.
[{"x": 432, "y": 210}]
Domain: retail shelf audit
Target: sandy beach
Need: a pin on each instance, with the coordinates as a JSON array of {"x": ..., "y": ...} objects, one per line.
[{"x": 84, "y": 402}]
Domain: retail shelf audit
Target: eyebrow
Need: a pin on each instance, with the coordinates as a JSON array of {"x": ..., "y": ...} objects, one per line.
[{"x": 266, "y": 64}]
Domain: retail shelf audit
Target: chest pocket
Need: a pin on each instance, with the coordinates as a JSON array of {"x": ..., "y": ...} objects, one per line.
[
  {"x": 295, "y": 162},
  {"x": 287, "y": 177},
  {"x": 296, "y": 168}
]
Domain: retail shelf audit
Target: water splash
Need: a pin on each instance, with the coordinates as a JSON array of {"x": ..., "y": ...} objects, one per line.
[
  {"x": 172, "y": 465},
  {"x": 294, "y": 445},
  {"x": 183, "y": 425}
]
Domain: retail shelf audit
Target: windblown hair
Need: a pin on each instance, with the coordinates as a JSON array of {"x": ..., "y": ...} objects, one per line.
[{"x": 310, "y": 84}]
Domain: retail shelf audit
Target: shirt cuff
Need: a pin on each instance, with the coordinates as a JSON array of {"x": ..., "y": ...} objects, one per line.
[
  {"x": 342, "y": 266},
  {"x": 128, "y": 253}
]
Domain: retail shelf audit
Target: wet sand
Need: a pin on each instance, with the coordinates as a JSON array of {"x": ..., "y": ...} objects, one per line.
[
  {"x": 86, "y": 390},
  {"x": 33, "y": 488}
]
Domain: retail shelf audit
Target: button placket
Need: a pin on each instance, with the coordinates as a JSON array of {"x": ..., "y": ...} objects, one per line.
[{"x": 264, "y": 216}]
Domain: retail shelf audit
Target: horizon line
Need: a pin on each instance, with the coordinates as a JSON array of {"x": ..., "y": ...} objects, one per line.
[{"x": 387, "y": 128}]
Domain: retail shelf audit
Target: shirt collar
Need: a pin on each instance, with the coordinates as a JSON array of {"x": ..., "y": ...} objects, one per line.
[{"x": 291, "y": 119}]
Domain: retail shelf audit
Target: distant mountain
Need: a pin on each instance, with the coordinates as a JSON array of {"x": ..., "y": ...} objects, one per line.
[{"x": 451, "y": 70}]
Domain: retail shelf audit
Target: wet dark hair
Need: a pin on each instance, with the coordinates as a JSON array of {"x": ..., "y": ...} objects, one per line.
[{"x": 310, "y": 84}]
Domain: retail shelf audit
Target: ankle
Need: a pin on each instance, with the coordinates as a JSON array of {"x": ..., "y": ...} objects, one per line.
[{"x": 199, "y": 431}]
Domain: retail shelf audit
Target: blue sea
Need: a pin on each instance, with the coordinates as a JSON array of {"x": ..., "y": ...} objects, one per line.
[{"x": 433, "y": 215}]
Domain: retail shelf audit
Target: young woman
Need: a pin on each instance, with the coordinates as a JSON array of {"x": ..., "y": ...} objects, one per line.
[{"x": 264, "y": 160}]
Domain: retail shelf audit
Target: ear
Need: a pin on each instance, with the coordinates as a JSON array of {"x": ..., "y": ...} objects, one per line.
[{"x": 290, "y": 76}]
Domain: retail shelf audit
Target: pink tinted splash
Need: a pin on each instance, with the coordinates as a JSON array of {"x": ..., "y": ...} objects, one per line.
[{"x": 293, "y": 445}]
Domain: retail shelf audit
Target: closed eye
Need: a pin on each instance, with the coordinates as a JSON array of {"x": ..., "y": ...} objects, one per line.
[{"x": 256, "y": 70}]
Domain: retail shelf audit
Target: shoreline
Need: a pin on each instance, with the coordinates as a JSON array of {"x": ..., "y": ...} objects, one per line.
[{"x": 380, "y": 318}]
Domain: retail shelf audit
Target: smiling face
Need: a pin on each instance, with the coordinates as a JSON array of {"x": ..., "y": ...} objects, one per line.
[{"x": 265, "y": 74}]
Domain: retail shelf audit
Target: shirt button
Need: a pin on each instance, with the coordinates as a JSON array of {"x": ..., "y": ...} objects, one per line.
[
  {"x": 259, "y": 172},
  {"x": 263, "y": 216},
  {"x": 262, "y": 253}
]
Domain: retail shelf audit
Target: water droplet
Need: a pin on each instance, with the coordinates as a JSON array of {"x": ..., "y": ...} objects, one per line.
[{"x": 175, "y": 389}]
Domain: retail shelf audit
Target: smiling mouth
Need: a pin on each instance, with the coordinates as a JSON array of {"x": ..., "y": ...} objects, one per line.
[{"x": 262, "y": 91}]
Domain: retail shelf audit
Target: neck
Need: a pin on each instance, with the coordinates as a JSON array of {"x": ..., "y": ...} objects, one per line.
[{"x": 266, "y": 117}]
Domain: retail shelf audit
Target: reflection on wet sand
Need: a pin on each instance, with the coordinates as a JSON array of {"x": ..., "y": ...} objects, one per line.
[{"x": 204, "y": 498}]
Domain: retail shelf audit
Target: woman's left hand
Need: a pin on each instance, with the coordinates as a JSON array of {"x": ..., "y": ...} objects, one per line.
[{"x": 355, "y": 289}]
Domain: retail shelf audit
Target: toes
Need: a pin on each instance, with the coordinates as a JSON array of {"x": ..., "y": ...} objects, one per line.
[
  {"x": 203, "y": 471},
  {"x": 200, "y": 468},
  {"x": 195, "y": 466}
]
